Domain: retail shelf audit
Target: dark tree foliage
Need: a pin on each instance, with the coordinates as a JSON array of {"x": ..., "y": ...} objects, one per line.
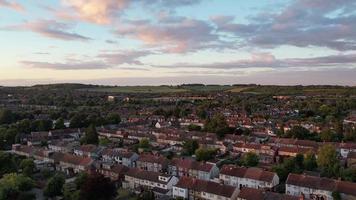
[
  {"x": 54, "y": 186},
  {"x": 91, "y": 136},
  {"x": 6, "y": 116},
  {"x": 97, "y": 187},
  {"x": 298, "y": 132},
  {"x": 250, "y": 159},
  {"x": 190, "y": 146}
]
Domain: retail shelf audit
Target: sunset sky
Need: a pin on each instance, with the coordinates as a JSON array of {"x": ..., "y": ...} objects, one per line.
[{"x": 153, "y": 42}]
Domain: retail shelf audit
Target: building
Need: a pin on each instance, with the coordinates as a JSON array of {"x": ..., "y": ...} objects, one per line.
[
  {"x": 161, "y": 184},
  {"x": 192, "y": 168},
  {"x": 125, "y": 158},
  {"x": 152, "y": 163},
  {"x": 319, "y": 188},
  {"x": 248, "y": 177},
  {"x": 257, "y": 194},
  {"x": 191, "y": 188}
]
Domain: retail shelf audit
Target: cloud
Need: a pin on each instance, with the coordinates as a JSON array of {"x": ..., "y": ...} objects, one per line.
[
  {"x": 174, "y": 36},
  {"x": 124, "y": 57},
  {"x": 106, "y": 11},
  {"x": 265, "y": 60},
  {"x": 12, "y": 5},
  {"x": 67, "y": 65},
  {"x": 104, "y": 60},
  {"x": 302, "y": 23},
  {"x": 50, "y": 29}
]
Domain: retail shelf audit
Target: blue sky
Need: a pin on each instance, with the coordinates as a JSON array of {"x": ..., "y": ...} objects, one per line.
[{"x": 135, "y": 42}]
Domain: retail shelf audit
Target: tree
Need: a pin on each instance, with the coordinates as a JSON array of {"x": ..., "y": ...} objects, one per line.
[
  {"x": 8, "y": 164},
  {"x": 147, "y": 195},
  {"x": 91, "y": 135},
  {"x": 203, "y": 154},
  {"x": 298, "y": 132},
  {"x": 59, "y": 124},
  {"x": 6, "y": 116},
  {"x": 309, "y": 162},
  {"x": 328, "y": 136},
  {"x": 45, "y": 125},
  {"x": 144, "y": 144},
  {"x": 190, "y": 146},
  {"x": 193, "y": 127},
  {"x": 76, "y": 121},
  {"x": 54, "y": 186},
  {"x": 327, "y": 160},
  {"x": 336, "y": 195},
  {"x": 104, "y": 141},
  {"x": 250, "y": 159},
  {"x": 113, "y": 118},
  {"x": 80, "y": 179},
  {"x": 12, "y": 185},
  {"x": 97, "y": 187},
  {"x": 27, "y": 166}
]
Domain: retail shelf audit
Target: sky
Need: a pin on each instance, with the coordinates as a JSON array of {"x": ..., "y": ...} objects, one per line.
[{"x": 156, "y": 42}]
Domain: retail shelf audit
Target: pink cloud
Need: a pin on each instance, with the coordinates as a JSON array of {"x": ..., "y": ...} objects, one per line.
[
  {"x": 176, "y": 36},
  {"x": 96, "y": 11},
  {"x": 12, "y": 5}
]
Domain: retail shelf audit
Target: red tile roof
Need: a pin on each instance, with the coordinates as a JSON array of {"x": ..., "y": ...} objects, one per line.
[
  {"x": 250, "y": 173},
  {"x": 206, "y": 186}
]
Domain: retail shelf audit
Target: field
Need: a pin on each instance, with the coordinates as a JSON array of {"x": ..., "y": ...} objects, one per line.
[
  {"x": 160, "y": 89},
  {"x": 138, "y": 89}
]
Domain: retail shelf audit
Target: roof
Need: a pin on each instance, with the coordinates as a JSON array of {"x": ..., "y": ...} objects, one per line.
[
  {"x": 152, "y": 159},
  {"x": 88, "y": 148},
  {"x": 147, "y": 175},
  {"x": 206, "y": 186},
  {"x": 322, "y": 183},
  {"x": 69, "y": 158},
  {"x": 250, "y": 173},
  {"x": 192, "y": 164},
  {"x": 256, "y": 194}
]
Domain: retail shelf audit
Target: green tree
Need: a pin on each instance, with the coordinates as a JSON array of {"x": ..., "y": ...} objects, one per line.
[
  {"x": 76, "y": 121},
  {"x": 8, "y": 164},
  {"x": 190, "y": 146},
  {"x": 147, "y": 195},
  {"x": 250, "y": 159},
  {"x": 144, "y": 144},
  {"x": 91, "y": 135},
  {"x": 193, "y": 127},
  {"x": 113, "y": 118},
  {"x": 6, "y": 116},
  {"x": 203, "y": 154},
  {"x": 28, "y": 167},
  {"x": 328, "y": 136},
  {"x": 336, "y": 195},
  {"x": 97, "y": 187},
  {"x": 327, "y": 160},
  {"x": 309, "y": 162},
  {"x": 298, "y": 132},
  {"x": 59, "y": 124},
  {"x": 54, "y": 186},
  {"x": 12, "y": 185}
]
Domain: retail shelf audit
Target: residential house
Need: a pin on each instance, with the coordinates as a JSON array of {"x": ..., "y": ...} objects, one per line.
[
  {"x": 191, "y": 188},
  {"x": 188, "y": 167},
  {"x": 152, "y": 163},
  {"x": 258, "y": 194},
  {"x": 314, "y": 187},
  {"x": 71, "y": 164},
  {"x": 88, "y": 150},
  {"x": 122, "y": 157},
  {"x": 138, "y": 180},
  {"x": 248, "y": 177}
]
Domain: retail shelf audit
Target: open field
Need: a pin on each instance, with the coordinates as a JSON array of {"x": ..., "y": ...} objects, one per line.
[{"x": 138, "y": 89}]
